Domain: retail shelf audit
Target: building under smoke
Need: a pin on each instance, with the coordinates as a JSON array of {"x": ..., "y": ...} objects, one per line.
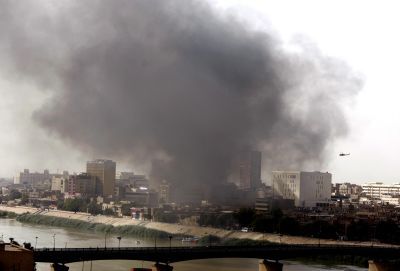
[
  {"x": 250, "y": 170},
  {"x": 104, "y": 170},
  {"x": 305, "y": 189},
  {"x": 174, "y": 81}
]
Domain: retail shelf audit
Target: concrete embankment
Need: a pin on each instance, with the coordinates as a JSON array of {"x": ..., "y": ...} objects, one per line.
[{"x": 179, "y": 229}]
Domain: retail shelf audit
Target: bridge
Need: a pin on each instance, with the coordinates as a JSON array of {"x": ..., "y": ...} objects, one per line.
[{"x": 168, "y": 255}]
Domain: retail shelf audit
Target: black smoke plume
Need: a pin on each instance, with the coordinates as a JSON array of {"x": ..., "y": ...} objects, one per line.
[{"x": 174, "y": 84}]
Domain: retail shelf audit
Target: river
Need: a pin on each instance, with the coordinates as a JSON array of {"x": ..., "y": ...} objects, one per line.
[{"x": 69, "y": 238}]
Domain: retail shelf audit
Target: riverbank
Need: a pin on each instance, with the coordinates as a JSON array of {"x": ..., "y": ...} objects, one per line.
[
  {"x": 6, "y": 214},
  {"x": 172, "y": 229}
]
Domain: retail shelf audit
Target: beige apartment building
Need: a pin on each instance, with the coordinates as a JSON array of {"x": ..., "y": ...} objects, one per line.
[{"x": 105, "y": 171}]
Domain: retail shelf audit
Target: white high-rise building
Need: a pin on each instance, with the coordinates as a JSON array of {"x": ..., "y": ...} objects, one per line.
[{"x": 307, "y": 189}]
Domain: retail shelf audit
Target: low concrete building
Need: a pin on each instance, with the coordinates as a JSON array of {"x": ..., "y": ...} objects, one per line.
[
  {"x": 59, "y": 184},
  {"x": 306, "y": 189},
  {"x": 390, "y": 200},
  {"x": 84, "y": 184},
  {"x": 14, "y": 257},
  {"x": 145, "y": 197},
  {"x": 377, "y": 189}
]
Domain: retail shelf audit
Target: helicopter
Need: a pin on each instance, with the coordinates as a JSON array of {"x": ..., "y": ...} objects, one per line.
[{"x": 344, "y": 154}]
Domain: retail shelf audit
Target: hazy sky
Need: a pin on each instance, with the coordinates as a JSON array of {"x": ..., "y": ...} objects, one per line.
[{"x": 362, "y": 33}]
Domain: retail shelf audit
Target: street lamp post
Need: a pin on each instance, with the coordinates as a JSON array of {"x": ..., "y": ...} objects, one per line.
[
  {"x": 119, "y": 241},
  {"x": 105, "y": 240},
  {"x": 373, "y": 236},
  {"x": 319, "y": 234},
  {"x": 54, "y": 241},
  {"x": 36, "y": 241},
  {"x": 170, "y": 238}
]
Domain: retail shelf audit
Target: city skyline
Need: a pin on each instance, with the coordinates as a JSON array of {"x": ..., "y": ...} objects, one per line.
[
  {"x": 371, "y": 115},
  {"x": 199, "y": 135}
]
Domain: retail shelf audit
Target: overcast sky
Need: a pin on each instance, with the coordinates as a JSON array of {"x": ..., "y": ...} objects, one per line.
[{"x": 362, "y": 33}]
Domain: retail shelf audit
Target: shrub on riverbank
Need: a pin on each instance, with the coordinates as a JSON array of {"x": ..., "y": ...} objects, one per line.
[
  {"x": 212, "y": 239},
  {"x": 5, "y": 214},
  {"x": 244, "y": 242},
  {"x": 132, "y": 230}
]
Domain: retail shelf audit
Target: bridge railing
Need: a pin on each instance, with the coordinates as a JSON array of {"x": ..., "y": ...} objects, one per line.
[{"x": 219, "y": 247}]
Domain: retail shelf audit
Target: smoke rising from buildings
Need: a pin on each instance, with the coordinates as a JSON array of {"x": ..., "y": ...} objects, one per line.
[{"x": 174, "y": 84}]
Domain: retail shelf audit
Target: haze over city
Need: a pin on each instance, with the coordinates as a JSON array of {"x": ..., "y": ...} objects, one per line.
[
  {"x": 357, "y": 37},
  {"x": 160, "y": 135}
]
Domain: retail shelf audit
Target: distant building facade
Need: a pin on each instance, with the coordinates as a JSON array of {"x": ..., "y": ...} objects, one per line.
[
  {"x": 145, "y": 198},
  {"x": 164, "y": 193},
  {"x": 378, "y": 189},
  {"x": 250, "y": 170},
  {"x": 134, "y": 180},
  {"x": 59, "y": 184},
  {"x": 125, "y": 175},
  {"x": 32, "y": 178},
  {"x": 104, "y": 170},
  {"x": 35, "y": 179},
  {"x": 306, "y": 189},
  {"x": 390, "y": 200},
  {"x": 83, "y": 184}
]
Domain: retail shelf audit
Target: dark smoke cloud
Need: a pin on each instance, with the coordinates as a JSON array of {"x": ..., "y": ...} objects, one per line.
[{"x": 176, "y": 84}]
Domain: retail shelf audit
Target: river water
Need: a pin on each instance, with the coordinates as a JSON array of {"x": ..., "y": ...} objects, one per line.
[{"x": 69, "y": 238}]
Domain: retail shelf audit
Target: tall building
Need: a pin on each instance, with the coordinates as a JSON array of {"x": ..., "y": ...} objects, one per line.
[
  {"x": 250, "y": 170},
  {"x": 164, "y": 192},
  {"x": 104, "y": 170},
  {"x": 307, "y": 189}
]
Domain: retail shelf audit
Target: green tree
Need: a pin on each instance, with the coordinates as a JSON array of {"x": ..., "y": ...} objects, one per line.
[
  {"x": 60, "y": 205},
  {"x": 289, "y": 225},
  {"x": 75, "y": 205},
  {"x": 387, "y": 231},
  {"x": 245, "y": 216},
  {"x": 126, "y": 209},
  {"x": 94, "y": 208},
  {"x": 358, "y": 231},
  {"x": 109, "y": 212},
  {"x": 24, "y": 199},
  {"x": 167, "y": 217},
  {"x": 15, "y": 194},
  {"x": 263, "y": 223}
]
